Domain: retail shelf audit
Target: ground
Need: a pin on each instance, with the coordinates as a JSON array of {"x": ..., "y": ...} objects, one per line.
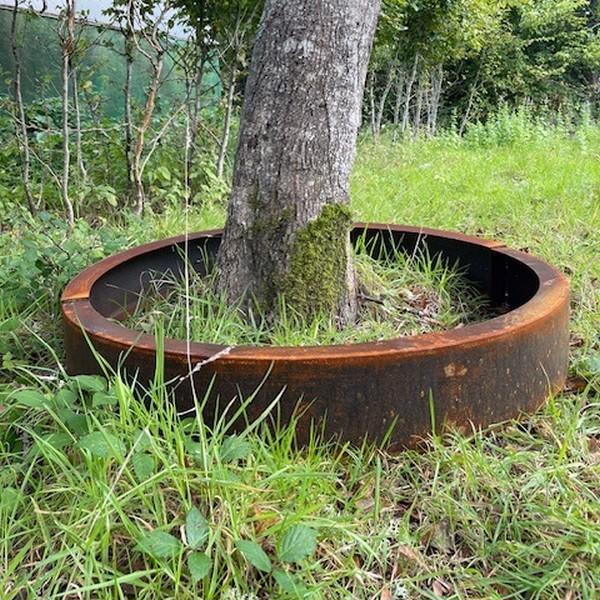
[{"x": 92, "y": 481}]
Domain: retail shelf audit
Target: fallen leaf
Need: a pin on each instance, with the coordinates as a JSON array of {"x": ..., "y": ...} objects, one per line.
[
  {"x": 365, "y": 504},
  {"x": 593, "y": 444},
  {"x": 441, "y": 538},
  {"x": 411, "y": 554},
  {"x": 576, "y": 340},
  {"x": 575, "y": 385},
  {"x": 440, "y": 587}
]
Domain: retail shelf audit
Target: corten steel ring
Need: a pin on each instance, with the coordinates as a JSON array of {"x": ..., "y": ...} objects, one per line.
[{"x": 467, "y": 377}]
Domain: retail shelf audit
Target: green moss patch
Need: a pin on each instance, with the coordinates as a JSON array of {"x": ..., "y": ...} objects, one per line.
[{"x": 315, "y": 281}]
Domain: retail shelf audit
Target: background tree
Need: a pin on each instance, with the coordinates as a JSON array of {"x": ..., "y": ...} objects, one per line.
[
  {"x": 20, "y": 117},
  {"x": 288, "y": 222},
  {"x": 199, "y": 17},
  {"x": 66, "y": 32}
]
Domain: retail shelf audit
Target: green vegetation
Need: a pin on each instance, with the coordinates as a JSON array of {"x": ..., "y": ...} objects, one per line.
[
  {"x": 437, "y": 64},
  {"x": 101, "y": 72},
  {"x": 401, "y": 295},
  {"x": 317, "y": 275},
  {"x": 105, "y": 494}
]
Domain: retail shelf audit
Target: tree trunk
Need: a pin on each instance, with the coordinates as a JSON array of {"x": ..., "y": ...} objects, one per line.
[
  {"x": 68, "y": 43},
  {"x": 20, "y": 118},
  {"x": 409, "y": 87},
  {"x": 226, "y": 134},
  {"x": 371, "y": 92},
  {"x": 136, "y": 161},
  {"x": 194, "y": 110},
  {"x": 128, "y": 113},
  {"x": 437, "y": 80},
  {"x": 384, "y": 96},
  {"x": 287, "y": 231},
  {"x": 78, "y": 135},
  {"x": 398, "y": 104},
  {"x": 418, "y": 109},
  {"x": 465, "y": 120}
]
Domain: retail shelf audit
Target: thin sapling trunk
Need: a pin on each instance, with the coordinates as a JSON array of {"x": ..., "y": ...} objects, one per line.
[{"x": 20, "y": 117}]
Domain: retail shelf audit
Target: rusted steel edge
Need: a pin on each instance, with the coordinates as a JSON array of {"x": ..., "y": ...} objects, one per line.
[{"x": 553, "y": 290}]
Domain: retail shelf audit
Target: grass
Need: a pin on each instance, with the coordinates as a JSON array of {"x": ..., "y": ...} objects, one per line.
[
  {"x": 98, "y": 480},
  {"x": 399, "y": 295}
]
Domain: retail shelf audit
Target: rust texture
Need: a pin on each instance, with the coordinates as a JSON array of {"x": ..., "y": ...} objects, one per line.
[{"x": 463, "y": 378}]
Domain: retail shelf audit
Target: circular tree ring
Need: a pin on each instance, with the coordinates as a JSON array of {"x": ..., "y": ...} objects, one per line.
[{"x": 465, "y": 378}]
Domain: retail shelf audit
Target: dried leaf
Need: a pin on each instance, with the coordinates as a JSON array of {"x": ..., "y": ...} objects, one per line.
[
  {"x": 441, "y": 538},
  {"x": 575, "y": 385},
  {"x": 440, "y": 588},
  {"x": 411, "y": 554},
  {"x": 365, "y": 504}
]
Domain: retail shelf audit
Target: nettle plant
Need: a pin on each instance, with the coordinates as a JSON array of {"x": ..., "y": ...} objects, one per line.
[
  {"x": 292, "y": 546},
  {"x": 110, "y": 447}
]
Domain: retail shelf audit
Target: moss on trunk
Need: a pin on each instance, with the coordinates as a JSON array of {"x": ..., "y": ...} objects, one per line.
[{"x": 316, "y": 280}]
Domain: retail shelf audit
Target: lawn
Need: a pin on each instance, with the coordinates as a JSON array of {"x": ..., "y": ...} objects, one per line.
[{"x": 103, "y": 495}]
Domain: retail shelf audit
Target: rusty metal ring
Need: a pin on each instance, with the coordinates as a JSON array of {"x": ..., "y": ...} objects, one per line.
[{"x": 467, "y": 377}]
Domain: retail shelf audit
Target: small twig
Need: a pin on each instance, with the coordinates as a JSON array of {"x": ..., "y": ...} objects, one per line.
[{"x": 371, "y": 299}]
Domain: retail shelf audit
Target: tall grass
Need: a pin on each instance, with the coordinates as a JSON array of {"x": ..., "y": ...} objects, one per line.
[
  {"x": 398, "y": 295},
  {"x": 98, "y": 479}
]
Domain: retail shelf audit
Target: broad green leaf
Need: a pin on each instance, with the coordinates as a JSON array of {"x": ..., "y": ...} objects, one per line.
[
  {"x": 65, "y": 398},
  {"x": 196, "y": 528},
  {"x": 143, "y": 466},
  {"x": 103, "y": 399},
  {"x": 199, "y": 565},
  {"x": 221, "y": 473},
  {"x": 234, "y": 448},
  {"x": 159, "y": 544},
  {"x": 297, "y": 543},
  {"x": 9, "y": 325},
  {"x": 142, "y": 440},
  {"x": 102, "y": 444},
  {"x": 76, "y": 423},
  {"x": 164, "y": 173},
  {"x": 289, "y": 584},
  {"x": 195, "y": 450},
  {"x": 90, "y": 383},
  {"x": 7, "y": 360},
  {"x": 31, "y": 398},
  {"x": 254, "y": 554},
  {"x": 591, "y": 365},
  {"x": 57, "y": 440}
]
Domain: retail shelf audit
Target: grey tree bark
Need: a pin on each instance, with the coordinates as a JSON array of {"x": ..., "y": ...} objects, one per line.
[
  {"x": 148, "y": 43},
  {"x": 68, "y": 47},
  {"x": 398, "y": 104},
  {"x": 391, "y": 74},
  {"x": 287, "y": 231},
  {"x": 409, "y": 88},
  {"x": 78, "y": 134},
  {"x": 129, "y": 47},
  {"x": 226, "y": 133},
  {"x": 20, "y": 117}
]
